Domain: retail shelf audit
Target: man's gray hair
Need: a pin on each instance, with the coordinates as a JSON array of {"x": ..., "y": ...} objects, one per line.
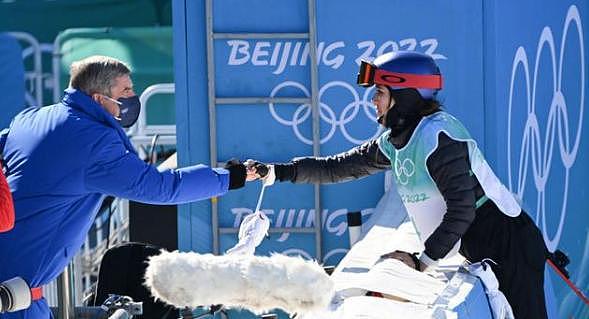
[{"x": 96, "y": 74}]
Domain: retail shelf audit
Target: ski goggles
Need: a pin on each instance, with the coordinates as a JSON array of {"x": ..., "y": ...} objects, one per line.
[{"x": 370, "y": 75}]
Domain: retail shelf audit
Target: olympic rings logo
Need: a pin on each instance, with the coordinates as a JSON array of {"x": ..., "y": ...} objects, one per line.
[
  {"x": 557, "y": 123},
  {"x": 404, "y": 170},
  {"x": 326, "y": 113}
]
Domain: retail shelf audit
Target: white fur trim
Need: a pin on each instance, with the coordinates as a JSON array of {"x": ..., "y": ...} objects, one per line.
[{"x": 256, "y": 283}]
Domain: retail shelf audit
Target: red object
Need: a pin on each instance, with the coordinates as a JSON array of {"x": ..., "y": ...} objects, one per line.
[
  {"x": 36, "y": 293},
  {"x": 568, "y": 282},
  {"x": 6, "y": 205},
  {"x": 420, "y": 81}
]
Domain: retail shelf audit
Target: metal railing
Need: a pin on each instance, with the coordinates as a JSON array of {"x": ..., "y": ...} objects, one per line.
[
  {"x": 142, "y": 128},
  {"x": 142, "y": 133},
  {"x": 36, "y": 76},
  {"x": 87, "y": 262}
]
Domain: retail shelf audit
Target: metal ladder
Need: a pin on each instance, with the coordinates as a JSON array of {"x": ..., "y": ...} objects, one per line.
[{"x": 311, "y": 36}]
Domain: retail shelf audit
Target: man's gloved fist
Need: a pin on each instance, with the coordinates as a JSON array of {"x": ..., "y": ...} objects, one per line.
[{"x": 237, "y": 173}]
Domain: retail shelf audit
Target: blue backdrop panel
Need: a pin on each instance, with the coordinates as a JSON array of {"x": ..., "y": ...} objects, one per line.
[
  {"x": 12, "y": 81},
  {"x": 514, "y": 73},
  {"x": 275, "y": 133},
  {"x": 537, "y": 58},
  {"x": 192, "y": 127}
]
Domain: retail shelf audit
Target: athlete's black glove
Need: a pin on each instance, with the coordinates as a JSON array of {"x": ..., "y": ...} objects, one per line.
[{"x": 283, "y": 172}]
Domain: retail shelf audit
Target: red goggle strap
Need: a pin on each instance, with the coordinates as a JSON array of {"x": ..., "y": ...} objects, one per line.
[{"x": 409, "y": 80}]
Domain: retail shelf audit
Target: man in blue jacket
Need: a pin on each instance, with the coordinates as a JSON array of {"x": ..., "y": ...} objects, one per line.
[{"x": 62, "y": 160}]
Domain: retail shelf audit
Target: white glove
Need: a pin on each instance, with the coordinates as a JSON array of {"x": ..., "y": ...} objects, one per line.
[
  {"x": 252, "y": 231},
  {"x": 499, "y": 305},
  {"x": 270, "y": 178}
]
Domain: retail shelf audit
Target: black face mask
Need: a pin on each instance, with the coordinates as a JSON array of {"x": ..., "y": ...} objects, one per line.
[
  {"x": 405, "y": 113},
  {"x": 129, "y": 110}
]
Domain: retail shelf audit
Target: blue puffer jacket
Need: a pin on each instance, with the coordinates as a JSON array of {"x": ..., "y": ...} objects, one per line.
[{"x": 61, "y": 162}]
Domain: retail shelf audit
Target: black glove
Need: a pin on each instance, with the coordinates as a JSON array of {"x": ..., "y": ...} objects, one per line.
[
  {"x": 237, "y": 173},
  {"x": 560, "y": 260},
  {"x": 261, "y": 169},
  {"x": 284, "y": 172},
  {"x": 402, "y": 256}
]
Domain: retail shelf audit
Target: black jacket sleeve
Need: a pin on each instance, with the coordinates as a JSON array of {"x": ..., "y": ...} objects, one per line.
[
  {"x": 449, "y": 166},
  {"x": 363, "y": 160}
]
